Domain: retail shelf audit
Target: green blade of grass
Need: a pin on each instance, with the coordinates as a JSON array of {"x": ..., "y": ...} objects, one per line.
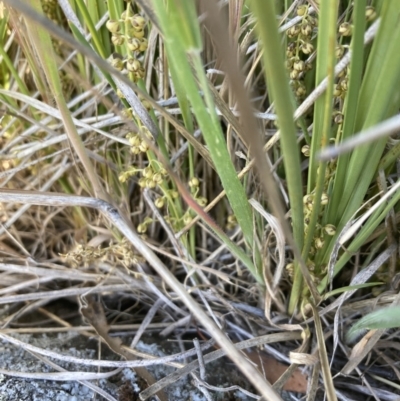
[
  {"x": 323, "y": 105},
  {"x": 182, "y": 41},
  {"x": 385, "y": 318},
  {"x": 98, "y": 45},
  {"x": 378, "y": 99},
  {"x": 351, "y": 288},
  {"x": 350, "y": 107},
  {"x": 278, "y": 85}
]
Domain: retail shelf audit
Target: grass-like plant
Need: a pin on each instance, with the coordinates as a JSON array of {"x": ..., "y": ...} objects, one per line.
[{"x": 194, "y": 91}]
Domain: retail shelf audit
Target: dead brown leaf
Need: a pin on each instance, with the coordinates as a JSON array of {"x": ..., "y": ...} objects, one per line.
[{"x": 274, "y": 369}]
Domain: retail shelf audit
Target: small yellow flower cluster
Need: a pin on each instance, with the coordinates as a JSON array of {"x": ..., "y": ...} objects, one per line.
[
  {"x": 142, "y": 227},
  {"x": 345, "y": 30},
  {"x": 321, "y": 231},
  {"x": 121, "y": 253},
  {"x": 124, "y": 254},
  {"x": 51, "y": 10},
  {"x": 139, "y": 141},
  {"x": 194, "y": 185},
  {"x": 128, "y": 31},
  {"x": 299, "y": 49},
  {"x": 231, "y": 222},
  {"x": 151, "y": 178},
  {"x": 84, "y": 255}
]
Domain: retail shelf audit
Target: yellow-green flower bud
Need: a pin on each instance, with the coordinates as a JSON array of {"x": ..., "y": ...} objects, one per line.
[
  {"x": 141, "y": 228},
  {"x": 194, "y": 182},
  {"x": 150, "y": 183},
  {"x": 302, "y": 10},
  {"x": 345, "y": 29},
  {"x": 123, "y": 177},
  {"x": 202, "y": 201},
  {"x": 126, "y": 113},
  {"x": 133, "y": 44},
  {"x": 290, "y": 268},
  {"x": 330, "y": 229},
  {"x": 324, "y": 199},
  {"x": 299, "y": 65},
  {"x": 158, "y": 178},
  {"x": 319, "y": 243},
  {"x": 159, "y": 202},
  {"x": 311, "y": 265},
  {"x": 291, "y": 49},
  {"x": 144, "y": 44},
  {"x": 144, "y": 147},
  {"x": 313, "y": 21},
  {"x": 174, "y": 194},
  {"x": 306, "y": 48},
  {"x": 138, "y": 22},
  {"x": 142, "y": 182},
  {"x": 308, "y": 198},
  {"x": 293, "y": 31},
  {"x": 306, "y": 29},
  {"x": 138, "y": 34},
  {"x": 117, "y": 63},
  {"x": 370, "y": 13},
  {"x": 339, "y": 51},
  {"x": 113, "y": 26},
  {"x": 117, "y": 40},
  {"x": 294, "y": 74},
  {"x": 306, "y": 150},
  {"x": 338, "y": 118},
  {"x": 337, "y": 92},
  {"x": 148, "y": 172},
  {"x": 309, "y": 65},
  {"x": 135, "y": 140},
  {"x": 139, "y": 74},
  {"x": 132, "y": 65},
  {"x": 301, "y": 91},
  {"x": 232, "y": 219}
]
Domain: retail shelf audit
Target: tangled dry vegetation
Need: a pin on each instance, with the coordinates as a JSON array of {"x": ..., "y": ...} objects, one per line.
[{"x": 120, "y": 213}]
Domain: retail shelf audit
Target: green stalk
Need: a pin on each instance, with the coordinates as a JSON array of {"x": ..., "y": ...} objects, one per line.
[
  {"x": 322, "y": 112},
  {"x": 278, "y": 85}
]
